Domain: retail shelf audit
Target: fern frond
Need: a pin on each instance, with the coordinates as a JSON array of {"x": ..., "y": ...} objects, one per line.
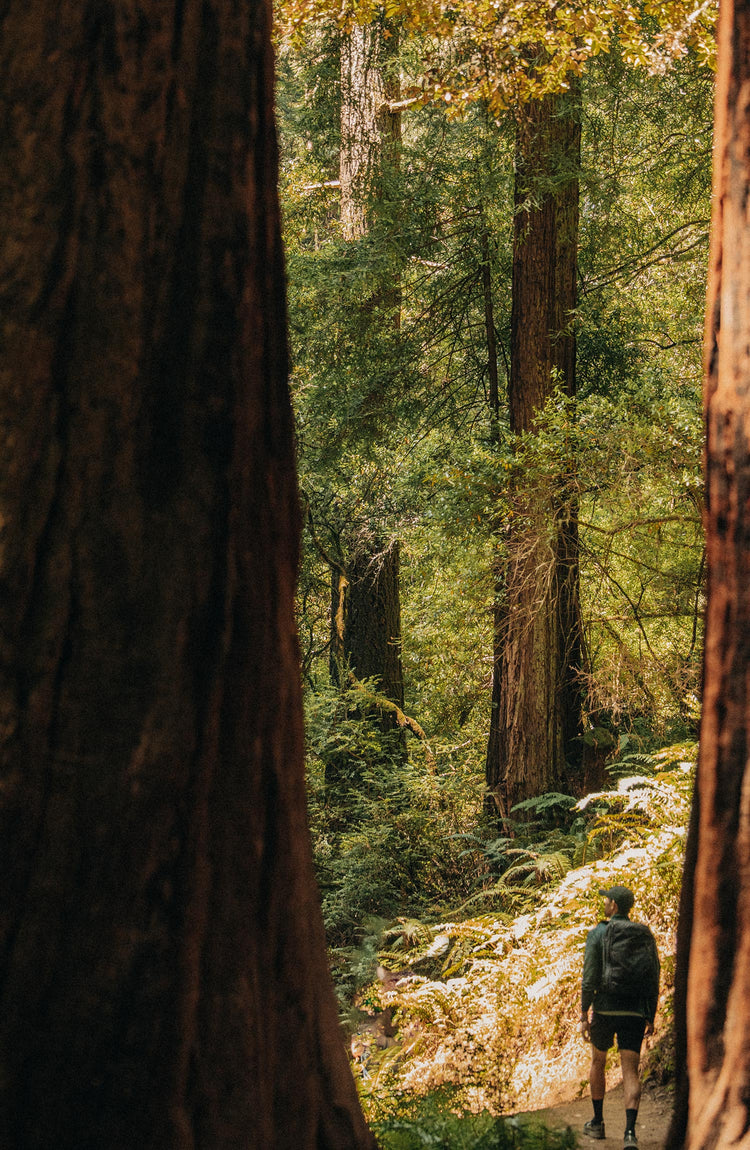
[
  {"x": 552, "y": 866},
  {"x": 545, "y": 802},
  {"x": 637, "y": 762},
  {"x": 405, "y": 934}
]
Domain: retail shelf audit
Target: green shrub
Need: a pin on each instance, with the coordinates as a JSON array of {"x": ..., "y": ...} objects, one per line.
[
  {"x": 385, "y": 817},
  {"x": 434, "y": 1120}
]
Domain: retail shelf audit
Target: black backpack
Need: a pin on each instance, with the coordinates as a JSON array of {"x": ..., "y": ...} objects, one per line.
[{"x": 630, "y": 962}]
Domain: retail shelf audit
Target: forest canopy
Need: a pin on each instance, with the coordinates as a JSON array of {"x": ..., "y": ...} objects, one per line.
[{"x": 505, "y": 55}]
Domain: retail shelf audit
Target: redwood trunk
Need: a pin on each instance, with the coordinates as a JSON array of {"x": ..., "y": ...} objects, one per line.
[
  {"x": 372, "y": 635},
  {"x": 366, "y": 624},
  {"x": 713, "y": 960},
  {"x": 365, "y": 603},
  {"x": 370, "y": 132},
  {"x": 535, "y": 695},
  {"x": 163, "y": 977}
]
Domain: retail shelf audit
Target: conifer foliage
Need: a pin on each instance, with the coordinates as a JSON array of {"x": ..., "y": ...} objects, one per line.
[{"x": 500, "y": 375}]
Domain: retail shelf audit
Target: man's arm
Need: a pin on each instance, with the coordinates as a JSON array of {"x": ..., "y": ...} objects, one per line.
[
  {"x": 652, "y": 997},
  {"x": 592, "y": 967}
]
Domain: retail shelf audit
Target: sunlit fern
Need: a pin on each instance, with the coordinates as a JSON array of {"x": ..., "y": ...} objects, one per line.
[
  {"x": 405, "y": 934},
  {"x": 635, "y": 763},
  {"x": 538, "y": 869}
]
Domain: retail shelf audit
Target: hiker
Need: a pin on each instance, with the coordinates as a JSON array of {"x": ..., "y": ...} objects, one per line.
[{"x": 621, "y": 984}]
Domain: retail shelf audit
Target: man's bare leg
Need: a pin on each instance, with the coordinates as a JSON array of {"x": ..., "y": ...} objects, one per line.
[
  {"x": 631, "y": 1083},
  {"x": 597, "y": 1080}
]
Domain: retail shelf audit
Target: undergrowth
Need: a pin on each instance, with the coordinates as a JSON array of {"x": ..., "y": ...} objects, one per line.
[
  {"x": 487, "y": 1002},
  {"x": 477, "y": 938},
  {"x": 434, "y": 1120},
  {"x": 386, "y": 817}
]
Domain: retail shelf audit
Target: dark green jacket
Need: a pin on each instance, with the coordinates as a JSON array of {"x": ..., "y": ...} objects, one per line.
[{"x": 645, "y": 1005}]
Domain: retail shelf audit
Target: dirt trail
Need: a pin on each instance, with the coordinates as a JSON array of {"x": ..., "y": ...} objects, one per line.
[{"x": 653, "y": 1118}]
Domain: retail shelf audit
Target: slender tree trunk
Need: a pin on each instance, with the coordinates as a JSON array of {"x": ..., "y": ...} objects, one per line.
[
  {"x": 365, "y": 604},
  {"x": 713, "y": 992},
  {"x": 163, "y": 977},
  {"x": 366, "y": 623},
  {"x": 339, "y": 612},
  {"x": 535, "y": 696},
  {"x": 493, "y": 390}
]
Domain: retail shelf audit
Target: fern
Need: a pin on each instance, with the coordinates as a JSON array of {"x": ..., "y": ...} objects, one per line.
[
  {"x": 442, "y": 1119},
  {"x": 546, "y": 802},
  {"x": 586, "y": 849},
  {"x": 405, "y": 934},
  {"x": 636, "y": 763},
  {"x": 612, "y": 829},
  {"x": 552, "y": 866},
  {"x": 512, "y": 901},
  {"x": 538, "y": 869}
]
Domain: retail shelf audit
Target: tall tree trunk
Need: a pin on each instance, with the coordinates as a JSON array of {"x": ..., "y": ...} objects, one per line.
[
  {"x": 370, "y": 131},
  {"x": 163, "y": 977},
  {"x": 493, "y": 378},
  {"x": 365, "y": 604},
  {"x": 713, "y": 960},
  {"x": 535, "y": 696}
]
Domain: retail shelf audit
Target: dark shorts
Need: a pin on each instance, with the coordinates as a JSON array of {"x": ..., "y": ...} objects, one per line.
[{"x": 628, "y": 1027}]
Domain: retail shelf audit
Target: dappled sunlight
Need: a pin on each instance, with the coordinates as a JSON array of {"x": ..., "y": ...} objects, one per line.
[{"x": 503, "y": 1026}]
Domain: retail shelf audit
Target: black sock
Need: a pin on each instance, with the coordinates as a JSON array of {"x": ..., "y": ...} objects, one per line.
[
  {"x": 598, "y": 1109},
  {"x": 630, "y": 1117}
]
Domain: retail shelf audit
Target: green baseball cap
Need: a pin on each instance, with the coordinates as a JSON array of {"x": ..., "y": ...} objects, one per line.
[{"x": 622, "y": 896}]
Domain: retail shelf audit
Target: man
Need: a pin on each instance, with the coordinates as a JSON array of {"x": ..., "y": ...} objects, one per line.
[{"x": 621, "y": 984}]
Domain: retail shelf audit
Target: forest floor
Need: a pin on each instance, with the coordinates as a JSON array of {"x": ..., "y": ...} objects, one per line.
[{"x": 653, "y": 1117}]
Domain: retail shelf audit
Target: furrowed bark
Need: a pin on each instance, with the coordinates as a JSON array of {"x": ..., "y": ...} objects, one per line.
[{"x": 163, "y": 979}]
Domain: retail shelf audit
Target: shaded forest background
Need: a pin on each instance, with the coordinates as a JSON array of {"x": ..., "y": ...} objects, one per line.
[{"x": 424, "y": 489}]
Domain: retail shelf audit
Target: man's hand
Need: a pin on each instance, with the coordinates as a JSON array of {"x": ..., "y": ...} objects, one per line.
[{"x": 585, "y": 1028}]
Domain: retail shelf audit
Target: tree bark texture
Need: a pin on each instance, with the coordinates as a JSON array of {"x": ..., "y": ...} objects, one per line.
[
  {"x": 536, "y": 708},
  {"x": 163, "y": 978},
  {"x": 365, "y": 603},
  {"x": 366, "y": 624},
  {"x": 370, "y": 132},
  {"x": 712, "y": 1001},
  {"x": 493, "y": 379},
  {"x": 372, "y": 631}
]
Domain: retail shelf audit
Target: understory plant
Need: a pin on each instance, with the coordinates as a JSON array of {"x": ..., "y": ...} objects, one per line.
[
  {"x": 436, "y": 1120},
  {"x": 488, "y": 1004},
  {"x": 386, "y": 811}
]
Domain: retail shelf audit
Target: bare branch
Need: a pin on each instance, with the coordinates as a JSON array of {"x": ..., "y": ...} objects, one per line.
[{"x": 324, "y": 184}]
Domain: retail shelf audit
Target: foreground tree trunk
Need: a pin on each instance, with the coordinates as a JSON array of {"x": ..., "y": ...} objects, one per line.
[
  {"x": 163, "y": 978},
  {"x": 536, "y": 709},
  {"x": 712, "y": 1002}
]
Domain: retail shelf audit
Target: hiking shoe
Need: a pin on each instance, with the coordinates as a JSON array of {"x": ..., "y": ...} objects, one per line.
[
  {"x": 630, "y": 1142},
  {"x": 594, "y": 1129}
]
